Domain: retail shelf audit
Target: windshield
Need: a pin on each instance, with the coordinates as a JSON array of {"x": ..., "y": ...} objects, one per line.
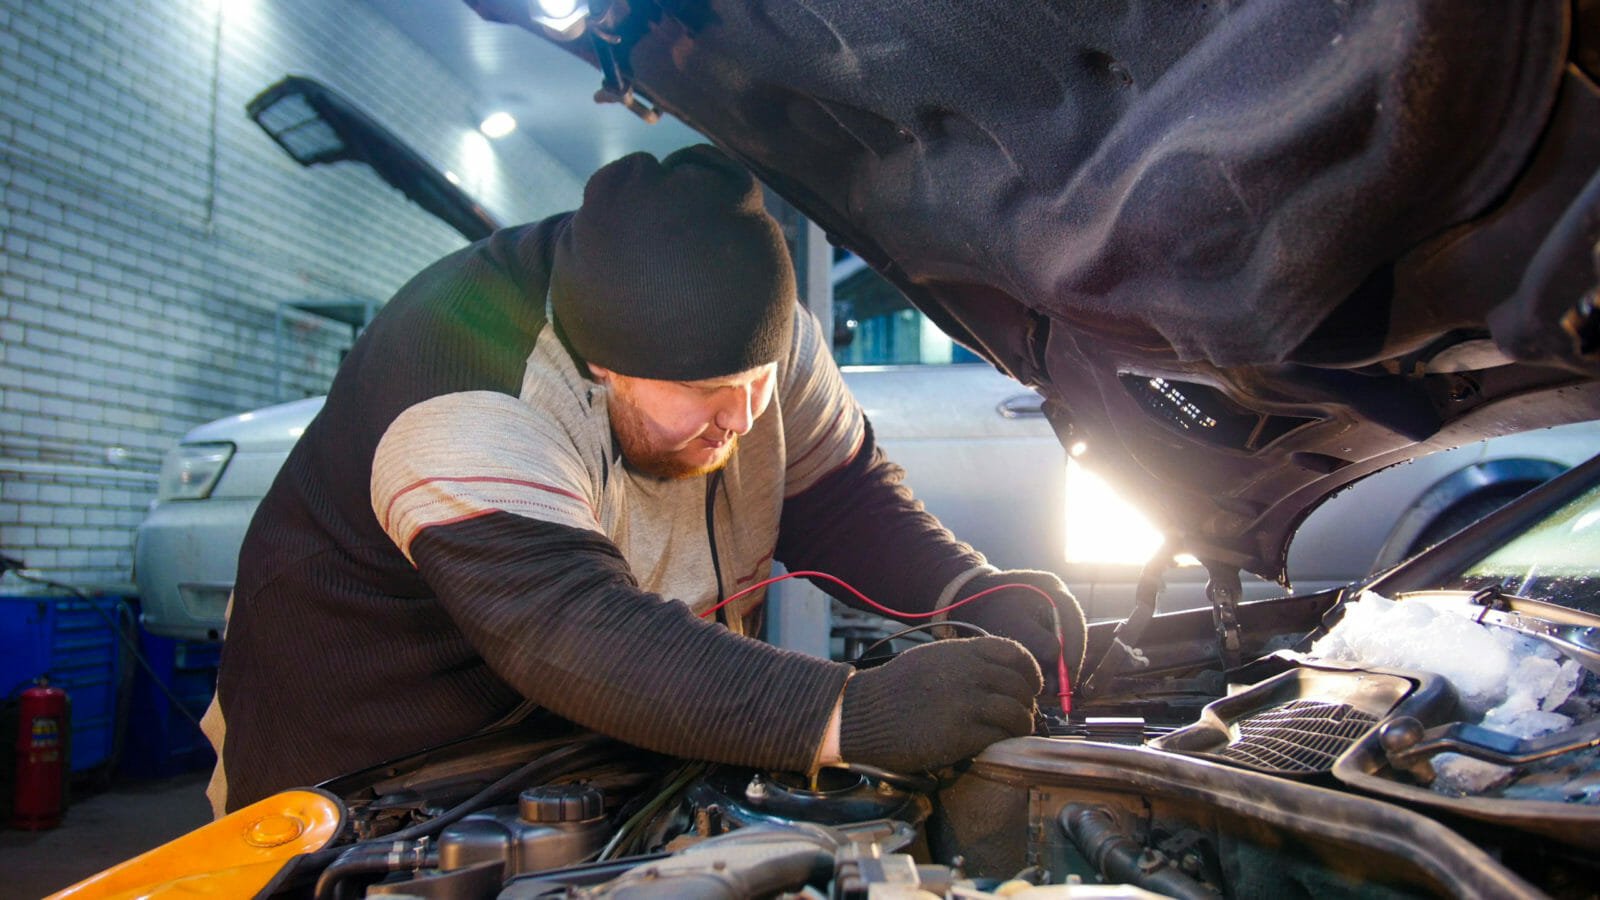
[{"x": 1556, "y": 560}]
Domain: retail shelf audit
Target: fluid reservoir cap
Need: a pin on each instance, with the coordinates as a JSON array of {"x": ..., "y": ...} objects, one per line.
[
  {"x": 554, "y": 803},
  {"x": 273, "y": 830}
]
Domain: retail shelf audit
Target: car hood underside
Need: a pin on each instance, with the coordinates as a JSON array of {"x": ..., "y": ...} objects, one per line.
[{"x": 1249, "y": 252}]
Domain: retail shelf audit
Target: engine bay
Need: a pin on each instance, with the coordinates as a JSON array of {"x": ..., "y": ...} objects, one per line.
[{"x": 1293, "y": 775}]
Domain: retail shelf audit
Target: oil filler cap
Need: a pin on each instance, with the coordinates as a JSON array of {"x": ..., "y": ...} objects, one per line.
[{"x": 554, "y": 803}]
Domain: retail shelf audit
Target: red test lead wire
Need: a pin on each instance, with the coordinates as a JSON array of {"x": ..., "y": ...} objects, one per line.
[{"x": 1055, "y": 614}]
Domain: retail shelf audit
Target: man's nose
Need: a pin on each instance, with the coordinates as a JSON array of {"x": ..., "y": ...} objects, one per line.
[{"x": 736, "y": 412}]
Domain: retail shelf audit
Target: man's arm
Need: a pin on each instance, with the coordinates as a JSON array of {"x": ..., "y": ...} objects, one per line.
[
  {"x": 848, "y": 513},
  {"x": 497, "y": 508},
  {"x": 550, "y": 605},
  {"x": 556, "y": 614},
  {"x": 860, "y": 523}
]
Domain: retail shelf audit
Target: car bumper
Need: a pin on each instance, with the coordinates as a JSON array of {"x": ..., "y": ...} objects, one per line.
[{"x": 185, "y": 560}]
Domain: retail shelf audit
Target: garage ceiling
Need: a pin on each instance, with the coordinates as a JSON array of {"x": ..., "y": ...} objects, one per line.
[{"x": 549, "y": 91}]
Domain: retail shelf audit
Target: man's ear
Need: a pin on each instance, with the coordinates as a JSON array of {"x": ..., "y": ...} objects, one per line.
[{"x": 600, "y": 373}]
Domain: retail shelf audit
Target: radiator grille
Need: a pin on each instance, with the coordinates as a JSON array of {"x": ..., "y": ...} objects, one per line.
[{"x": 1299, "y": 736}]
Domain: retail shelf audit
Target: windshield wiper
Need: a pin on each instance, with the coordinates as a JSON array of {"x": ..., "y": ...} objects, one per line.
[{"x": 1578, "y": 642}]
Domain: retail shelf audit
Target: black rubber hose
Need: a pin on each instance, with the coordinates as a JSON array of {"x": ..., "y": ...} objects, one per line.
[
  {"x": 366, "y": 859},
  {"x": 301, "y": 869},
  {"x": 541, "y": 768},
  {"x": 1121, "y": 859}
]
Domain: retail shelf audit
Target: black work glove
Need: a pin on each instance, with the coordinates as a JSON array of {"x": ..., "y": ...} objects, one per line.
[
  {"x": 937, "y": 703},
  {"x": 1024, "y": 616}
]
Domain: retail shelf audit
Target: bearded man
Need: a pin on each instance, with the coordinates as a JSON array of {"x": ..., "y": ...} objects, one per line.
[{"x": 547, "y": 455}]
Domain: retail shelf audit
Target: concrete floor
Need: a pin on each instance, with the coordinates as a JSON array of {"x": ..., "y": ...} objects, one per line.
[{"x": 101, "y": 830}]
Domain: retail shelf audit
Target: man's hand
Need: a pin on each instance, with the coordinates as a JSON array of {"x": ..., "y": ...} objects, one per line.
[
  {"x": 1025, "y": 616},
  {"x": 937, "y": 703}
]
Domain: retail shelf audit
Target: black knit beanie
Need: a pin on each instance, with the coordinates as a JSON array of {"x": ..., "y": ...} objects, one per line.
[{"x": 673, "y": 270}]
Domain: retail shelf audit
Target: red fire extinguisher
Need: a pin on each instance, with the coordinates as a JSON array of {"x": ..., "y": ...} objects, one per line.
[{"x": 41, "y": 757}]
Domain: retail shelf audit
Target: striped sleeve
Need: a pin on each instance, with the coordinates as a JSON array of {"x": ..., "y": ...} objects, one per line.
[
  {"x": 461, "y": 456},
  {"x": 557, "y": 615}
]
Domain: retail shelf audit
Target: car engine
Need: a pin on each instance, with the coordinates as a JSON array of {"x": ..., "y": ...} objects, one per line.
[{"x": 1303, "y": 773}]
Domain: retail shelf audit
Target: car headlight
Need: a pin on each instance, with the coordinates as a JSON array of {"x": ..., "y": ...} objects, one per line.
[{"x": 190, "y": 471}]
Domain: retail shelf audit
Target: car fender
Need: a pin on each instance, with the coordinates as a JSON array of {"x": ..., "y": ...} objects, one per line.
[{"x": 1449, "y": 492}]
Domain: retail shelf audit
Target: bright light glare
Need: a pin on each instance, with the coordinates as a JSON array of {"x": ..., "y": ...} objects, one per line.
[
  {"x": 233, "y": 8},
  {"x": 555, "y": 9},
  {"x": 477, "y": 158},
  {"x": 1102, "y": 527},
  {"x": 498, "y": 124},
  {"x": 563, "y": 16},
  {"x": 477, "y": 166}
]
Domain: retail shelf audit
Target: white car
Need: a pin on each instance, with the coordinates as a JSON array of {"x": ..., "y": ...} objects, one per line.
[{"x": 977, "y": 452}]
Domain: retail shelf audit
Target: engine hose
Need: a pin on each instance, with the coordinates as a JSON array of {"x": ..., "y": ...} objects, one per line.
[
  {"x": 1123, "y": 860},
  {"x": 369, "y": 859},
  {"x": 304, "y": 868}
]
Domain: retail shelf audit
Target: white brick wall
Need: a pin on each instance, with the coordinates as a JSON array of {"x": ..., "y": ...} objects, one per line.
[{"x": 151, "y": 231}]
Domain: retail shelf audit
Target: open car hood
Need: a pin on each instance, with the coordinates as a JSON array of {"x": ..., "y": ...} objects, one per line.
[{"x": 1247, "y": 252}]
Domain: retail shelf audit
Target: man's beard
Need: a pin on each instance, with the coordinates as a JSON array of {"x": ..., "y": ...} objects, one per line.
[{"x": 633, "y": 436}]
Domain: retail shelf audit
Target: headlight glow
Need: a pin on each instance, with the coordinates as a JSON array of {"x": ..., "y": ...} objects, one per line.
[
  {"x": 190, "y": 471},
  {"x": 1102, "y": 527}
]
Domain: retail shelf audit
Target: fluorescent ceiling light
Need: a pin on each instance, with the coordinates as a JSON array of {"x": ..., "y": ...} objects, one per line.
[
  {"x": 299, "y": 129},
  {"x": 498, "y": 124},
  {"x": 315, "y": 125}
]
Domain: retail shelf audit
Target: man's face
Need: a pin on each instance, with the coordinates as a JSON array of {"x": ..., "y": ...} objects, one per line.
[{"x": 683, "y": 429}]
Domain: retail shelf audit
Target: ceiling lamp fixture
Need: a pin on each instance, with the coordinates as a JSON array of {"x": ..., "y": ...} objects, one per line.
[
  {"x": 569, "y": 20},
  {"x": 561, "y": 20},
  {"x": 564, "y": 17},
  {"x": 315, "y": 126},
  {"x": 497, "y": 124}
]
